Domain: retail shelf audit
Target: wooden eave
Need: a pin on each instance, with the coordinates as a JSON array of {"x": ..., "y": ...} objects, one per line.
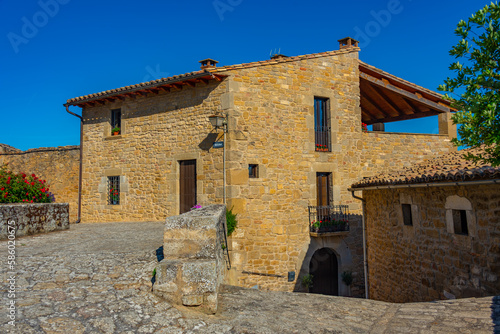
[
  {"x": 386, "y": 98},
  {"x": 154, "y": 87}
]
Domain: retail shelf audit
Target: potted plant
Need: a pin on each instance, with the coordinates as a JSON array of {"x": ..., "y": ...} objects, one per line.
[
  {"x": 347, "y": 279},
  {"x": 115, "y": 131},
  {"x": 307, "y": 281},
  {"x": 364, "y": 127}
]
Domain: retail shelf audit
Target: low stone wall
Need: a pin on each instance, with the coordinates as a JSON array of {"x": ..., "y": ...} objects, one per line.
[
  {"x": 193, "y": 268},
  {"x": 59, "y": 166},
  {"x": 31, "y": 219}
]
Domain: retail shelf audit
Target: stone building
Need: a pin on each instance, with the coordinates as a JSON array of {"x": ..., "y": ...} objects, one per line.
[
  {"x": 433, "y": 231},
  {"x": 294, "y": 142}
]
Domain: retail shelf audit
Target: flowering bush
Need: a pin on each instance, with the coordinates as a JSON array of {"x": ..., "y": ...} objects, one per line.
[
  {"x": 197, "y": 206},
  {"x": 23, "y": 188},
  {"x": 114, "y": 196},
  {"x": 364, "y": 127},
  {"x": 320, "y": 147}
]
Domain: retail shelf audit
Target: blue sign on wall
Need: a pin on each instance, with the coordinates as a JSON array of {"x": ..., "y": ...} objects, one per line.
[{"x": 218, "y": 144}]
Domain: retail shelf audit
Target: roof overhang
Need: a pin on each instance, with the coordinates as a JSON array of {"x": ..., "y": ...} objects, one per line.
[
  {"x": 143, "y": 89},
  {"x": 386, "y": 98}
]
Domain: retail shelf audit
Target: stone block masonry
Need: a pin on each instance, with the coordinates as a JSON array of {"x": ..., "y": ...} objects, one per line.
[
  {"x": 58, "y": 165},
  {"x": 33, "y": 218},
  {"x": 193, "y": 268},
  {"x": 426, "y": 261}
]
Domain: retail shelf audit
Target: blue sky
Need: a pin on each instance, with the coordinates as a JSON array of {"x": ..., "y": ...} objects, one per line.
[{"x": 53, "y": 50}]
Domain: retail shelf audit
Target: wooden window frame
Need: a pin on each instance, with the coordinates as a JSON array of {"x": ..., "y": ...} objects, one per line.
[
  {"x": 322, "y": 126},
  {"x": 253, "y": 171}
]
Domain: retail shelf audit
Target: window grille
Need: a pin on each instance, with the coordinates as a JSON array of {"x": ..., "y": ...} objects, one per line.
[
  {"x": 113, "y": 190},
  {"x": 322, "y": 124}
]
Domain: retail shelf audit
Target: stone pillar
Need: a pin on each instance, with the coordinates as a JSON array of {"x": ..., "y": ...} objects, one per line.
[
  {"x": 194, "y": 265},
  {"x": 446, "y": 126}
]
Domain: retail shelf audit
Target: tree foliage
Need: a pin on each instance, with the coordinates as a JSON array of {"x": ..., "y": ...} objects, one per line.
[{"x": 477, "y": 84}]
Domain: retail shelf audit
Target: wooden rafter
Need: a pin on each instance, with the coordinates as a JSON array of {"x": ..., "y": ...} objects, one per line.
[
  {"x": 377, "y": 107},
  {"x": 190, "y": 83},
  {"x": 381, "y": 94},
  {"x": 413, "y": 97},
  {"x": 382, "y": 111}
]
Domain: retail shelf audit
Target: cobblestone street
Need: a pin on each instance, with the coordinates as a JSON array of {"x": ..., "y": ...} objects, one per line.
[{"x": 94, "y": 278}]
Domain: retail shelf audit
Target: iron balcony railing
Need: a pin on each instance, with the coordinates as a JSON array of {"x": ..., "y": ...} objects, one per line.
[
  {"x": 323, "y": 138},
  {"x": 330, "y": 218}
]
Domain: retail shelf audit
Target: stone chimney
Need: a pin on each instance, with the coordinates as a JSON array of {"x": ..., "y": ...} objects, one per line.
[
  {"x": 347, "y": 42},
  {"x": 208, "y": 63}
]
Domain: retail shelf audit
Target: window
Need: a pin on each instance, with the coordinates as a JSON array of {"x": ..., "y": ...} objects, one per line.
[
  {"x": 460, "y": 222},
  {"x": 323, "y": 195},
  {"x": 407, "y": 218},
  {"x": 253, "y": 171},
  {"x": 322, "y": 124},
  {"x": 116, "y": 121},
  {"x": 460, "y": 218},
  {"x": 113, "y": 190}
]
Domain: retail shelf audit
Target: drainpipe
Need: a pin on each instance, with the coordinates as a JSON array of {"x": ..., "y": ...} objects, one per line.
[
  {"x": 81, "y": 160},
  {"x": 365, "y": 263}
]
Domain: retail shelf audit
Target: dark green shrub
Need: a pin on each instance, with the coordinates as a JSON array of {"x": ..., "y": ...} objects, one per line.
[{"x": 231, "y": 221}]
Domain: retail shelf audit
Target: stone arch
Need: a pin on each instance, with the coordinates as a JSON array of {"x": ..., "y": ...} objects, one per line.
[{"x": 339, "y": 248}]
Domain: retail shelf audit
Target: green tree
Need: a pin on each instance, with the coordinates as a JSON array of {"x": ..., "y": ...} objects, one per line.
[{"x": 476, "y": 84}]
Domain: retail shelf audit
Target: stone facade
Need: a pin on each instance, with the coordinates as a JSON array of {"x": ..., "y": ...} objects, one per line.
[
  {"x": 428, "y": 261},
  {"x": 270, "y": 112},
  {"x": 28, "y": 219},
  {"x": 193, "y": 269},
  {"x": 157, "y": 132},
  {"x": 58, "y": 165}
]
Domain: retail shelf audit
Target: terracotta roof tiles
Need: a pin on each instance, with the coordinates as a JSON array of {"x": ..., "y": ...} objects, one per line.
[{"x": 446, "y": 168}]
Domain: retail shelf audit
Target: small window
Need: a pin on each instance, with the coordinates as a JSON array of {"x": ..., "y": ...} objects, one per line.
[
  {"x": 113, "y": 190},
  {"x": 116, "y": 121},
  {"x": 407, "y": 218},
  {"x": 253, "y": 171},
  {"x": 322, "y": 135},
  {"x": 460, "y": 222}
]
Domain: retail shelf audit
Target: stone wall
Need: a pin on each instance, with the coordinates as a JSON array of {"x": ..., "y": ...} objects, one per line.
[
  {"x": 383, "y": 152},
  {"x": 427, "y": 261},
  {"x": 28, "y": 219},
  {"x": 157, "y": 132},
  {"x": 193, "y": 268},
  {"x": 59, "y": 166}
]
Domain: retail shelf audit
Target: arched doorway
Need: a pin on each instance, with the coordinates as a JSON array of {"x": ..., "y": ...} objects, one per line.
[{"x": 325, "y": 271}]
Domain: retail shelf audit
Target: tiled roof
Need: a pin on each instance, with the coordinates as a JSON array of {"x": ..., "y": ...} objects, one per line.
[
  {"x": 202, "y": 73},
  {"x": 283, "y": 60},
  {"x": 143, "y": 85},
  {"x": 451, "y": 167}
]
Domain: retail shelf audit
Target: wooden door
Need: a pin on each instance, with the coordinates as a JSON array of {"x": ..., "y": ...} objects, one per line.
[
  {"x": 323, "y": 196},
  {"x": 187, "y": 191},
  {"x": 324, "y": 269}
]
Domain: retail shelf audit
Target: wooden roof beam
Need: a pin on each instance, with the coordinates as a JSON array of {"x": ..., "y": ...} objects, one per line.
[
  {"x": 386, "y": 99},
  {"x": 413, "y": 97},
  {"x": 375, "y": 104}
]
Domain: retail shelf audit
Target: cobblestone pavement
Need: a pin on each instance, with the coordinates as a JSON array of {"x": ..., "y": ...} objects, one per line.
[{"x": 94, "y": 278}]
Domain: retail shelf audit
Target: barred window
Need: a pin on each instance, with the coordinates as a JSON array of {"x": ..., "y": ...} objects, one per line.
[{"x": 113, "y": 190}]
